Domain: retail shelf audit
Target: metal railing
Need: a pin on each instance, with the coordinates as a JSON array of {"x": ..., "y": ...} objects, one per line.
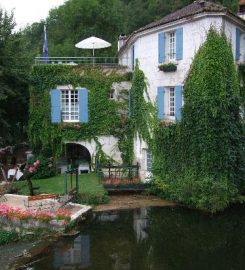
[
  {"x": 118, "y": 175},
  {"x": 97, "y": 61}
]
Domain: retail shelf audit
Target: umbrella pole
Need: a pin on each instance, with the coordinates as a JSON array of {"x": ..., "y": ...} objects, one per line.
[{"x": 93, "y": 54}]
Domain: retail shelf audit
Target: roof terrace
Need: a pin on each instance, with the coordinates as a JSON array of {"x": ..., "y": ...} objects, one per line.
[{"x": 94, "y": 61}]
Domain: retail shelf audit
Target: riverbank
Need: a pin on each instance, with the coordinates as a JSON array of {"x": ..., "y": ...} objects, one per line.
[{"x": 120, "y": 202}]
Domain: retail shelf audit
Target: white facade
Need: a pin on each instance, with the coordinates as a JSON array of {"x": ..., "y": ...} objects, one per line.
[{"x": 144, "y": 46}]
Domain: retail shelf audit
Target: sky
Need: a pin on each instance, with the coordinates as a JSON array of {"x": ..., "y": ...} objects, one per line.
[{"x": 29, "y": 11}]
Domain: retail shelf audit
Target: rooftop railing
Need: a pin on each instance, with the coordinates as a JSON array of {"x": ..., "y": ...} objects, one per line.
[{"x": 96, "y": 61}]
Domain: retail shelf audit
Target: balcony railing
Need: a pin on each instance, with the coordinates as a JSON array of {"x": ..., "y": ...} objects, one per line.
[{"x": 96, "y": 61}]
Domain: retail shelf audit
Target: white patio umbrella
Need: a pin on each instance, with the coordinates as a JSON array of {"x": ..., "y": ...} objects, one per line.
[{"x": 93, "y": 43}]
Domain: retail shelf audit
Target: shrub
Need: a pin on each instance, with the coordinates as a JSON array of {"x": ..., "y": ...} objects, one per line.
[
  {"x": 45, "y": 169},
  {"x": 92, "y": 199},
  {"x": 7, "y": 237}
]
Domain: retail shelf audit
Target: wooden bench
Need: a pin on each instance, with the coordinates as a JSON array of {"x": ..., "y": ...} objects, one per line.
[{"x": 42, "y": 201}]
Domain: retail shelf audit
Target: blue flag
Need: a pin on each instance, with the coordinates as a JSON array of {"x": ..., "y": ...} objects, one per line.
[{"x": 45, "y": 47}]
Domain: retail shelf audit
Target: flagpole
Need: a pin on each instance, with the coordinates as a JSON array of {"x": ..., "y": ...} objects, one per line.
[{"x": 45, "y": 45}]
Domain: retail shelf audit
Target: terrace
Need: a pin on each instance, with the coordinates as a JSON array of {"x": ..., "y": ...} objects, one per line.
[{"x": 110, "y": 62}]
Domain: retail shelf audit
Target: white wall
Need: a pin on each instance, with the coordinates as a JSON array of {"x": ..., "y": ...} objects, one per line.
[
  {"x": 146, "y": 50},
  {"x": 109, "y": 146}
]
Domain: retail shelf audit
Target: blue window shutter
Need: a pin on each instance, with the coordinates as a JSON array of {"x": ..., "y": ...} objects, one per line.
[
  {"x": 179, "y": 43},
  {"x": 160, "y": 102},
  {"x": 161, "y": 48},
  {"x": 129, "y": 103},
  {"x": 55, "y": 106},
  {"x": 238, "y": 34},
  {"x": 132, "y": 55},
  {"x": 83, "y": 105},
  {"x": 178, "y": 102}
]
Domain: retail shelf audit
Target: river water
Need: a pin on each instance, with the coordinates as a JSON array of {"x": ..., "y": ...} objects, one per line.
[{"x": 168, "y": 238}]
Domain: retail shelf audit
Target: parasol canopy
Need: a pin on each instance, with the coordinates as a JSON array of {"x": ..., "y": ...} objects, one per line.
[{"x": 92, "y": 43}]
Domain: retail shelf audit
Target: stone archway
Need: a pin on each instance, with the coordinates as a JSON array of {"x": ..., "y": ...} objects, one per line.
[{"x": 77, "y": 156}]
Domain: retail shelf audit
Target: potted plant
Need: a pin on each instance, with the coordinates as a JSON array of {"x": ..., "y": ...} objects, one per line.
[{"x": 169, "y": 67}]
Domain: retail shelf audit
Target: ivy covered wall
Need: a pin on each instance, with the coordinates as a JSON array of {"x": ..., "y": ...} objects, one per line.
[
  {"x": 105, "y": 114},
  {"x": 142, "y": 117},
  {"x": 200, "y": 161}
]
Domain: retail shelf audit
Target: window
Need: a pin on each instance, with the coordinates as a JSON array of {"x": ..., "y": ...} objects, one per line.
[
  {"x": 148, "y": 160},
  {"x": 170, "y": 45},
  {"x": 70, "y": 105},
  {"x": 133, "y": 57},
  {"x": 171, "y": 53},
  {"x": 171, "y": 101}
]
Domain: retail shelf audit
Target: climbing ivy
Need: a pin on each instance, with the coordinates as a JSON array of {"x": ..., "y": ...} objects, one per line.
[
  {"x": 141, "y": 117},
  {"x": 104, "y": 117},
  {"x": 200, "y": 161}
]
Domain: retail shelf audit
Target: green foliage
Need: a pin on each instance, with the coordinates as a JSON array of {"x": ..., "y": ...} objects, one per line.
[
  {"x": 141, "y": 117},
  {"x": 200, "y": 161},
  {"x": 168, "y": 67},
  {"x": 104, "y": 118},
  {"x": 103, "y": 18},
  {"x": 7, "y": 237},
  {"x": 92, "y": 199},
  {"x": 45, "y": 169},
  {"x": 13, "y": 83}
]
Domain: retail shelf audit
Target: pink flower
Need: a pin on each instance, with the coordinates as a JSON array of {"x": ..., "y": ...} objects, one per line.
[
  {"x": 31, "y": 170},
  {"x": 50, "y": 165}
]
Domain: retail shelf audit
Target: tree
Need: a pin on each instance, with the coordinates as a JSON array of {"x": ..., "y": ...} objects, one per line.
[{"x": 13, "y": 82}]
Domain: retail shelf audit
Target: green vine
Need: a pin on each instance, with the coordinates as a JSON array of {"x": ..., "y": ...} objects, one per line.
[
  {"x": 200, "y": 160},
  {"x": 104, "y": 117},
  {"x": 141, "y": 117}
]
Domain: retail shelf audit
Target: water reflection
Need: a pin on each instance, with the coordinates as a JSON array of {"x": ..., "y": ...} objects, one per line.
[
  {"x": 140, "y": 223},
  {"x": 74, "y": 253},
  {"x": 154, "y": 239}
]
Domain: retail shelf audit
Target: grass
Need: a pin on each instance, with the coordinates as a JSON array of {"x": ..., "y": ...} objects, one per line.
[{"x": 90, "y": 190}]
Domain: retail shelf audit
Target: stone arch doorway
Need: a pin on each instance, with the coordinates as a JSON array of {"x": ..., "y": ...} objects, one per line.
[{"x": 77, "y": 156}]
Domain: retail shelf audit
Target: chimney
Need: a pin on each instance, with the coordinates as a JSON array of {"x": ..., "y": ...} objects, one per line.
[
  {"x": 121, "y": 41},
  {"x": 241, "y": 9},
  {"x": 202, "y": 3}
]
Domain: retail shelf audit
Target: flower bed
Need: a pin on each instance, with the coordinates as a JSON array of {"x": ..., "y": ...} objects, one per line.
[
  {"x": 169, "y": 67},
  {"x": 34, "y": 218},
  {"x": 119, "y": 181}
]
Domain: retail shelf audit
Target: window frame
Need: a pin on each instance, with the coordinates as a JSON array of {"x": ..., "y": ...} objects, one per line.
[
  {"x": 67, "y": 108},
  {"x": 148, "y": 160},
  {"x": 171, "y": 45},
  {"x": 171, "y": 101}
]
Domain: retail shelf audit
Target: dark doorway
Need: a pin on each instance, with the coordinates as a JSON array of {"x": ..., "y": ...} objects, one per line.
[{"x": 75, "y": 156}]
